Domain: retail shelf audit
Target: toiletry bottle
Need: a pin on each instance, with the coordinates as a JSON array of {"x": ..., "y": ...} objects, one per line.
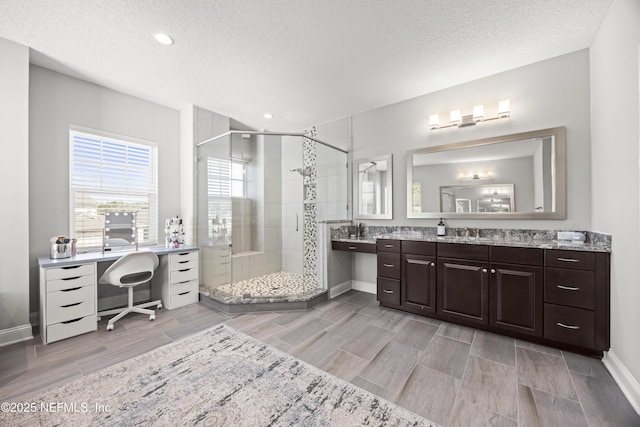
[{"x": 441, "y": 228}]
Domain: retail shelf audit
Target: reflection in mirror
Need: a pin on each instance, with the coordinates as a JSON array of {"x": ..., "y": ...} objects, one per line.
[
  {"x": 514, "y": 176},
  {"x": 372, "y": 179}
]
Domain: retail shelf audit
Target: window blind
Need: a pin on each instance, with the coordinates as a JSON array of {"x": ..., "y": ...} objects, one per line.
[{"x": 111, "y": 175}]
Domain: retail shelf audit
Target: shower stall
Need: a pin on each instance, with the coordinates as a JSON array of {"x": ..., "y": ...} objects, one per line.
[{"x": 260, "y": 197}]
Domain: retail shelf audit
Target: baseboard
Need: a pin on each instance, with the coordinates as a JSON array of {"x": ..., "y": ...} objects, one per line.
[
  {"x": 340, "y": 289},
  {"x": 364, "y": 286},
  {"x": 627, "y": 383},
  {"x": 16, "y": 334}
]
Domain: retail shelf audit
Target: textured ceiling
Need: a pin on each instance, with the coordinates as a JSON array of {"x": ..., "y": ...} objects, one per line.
[{"x": 305, "y": 61}]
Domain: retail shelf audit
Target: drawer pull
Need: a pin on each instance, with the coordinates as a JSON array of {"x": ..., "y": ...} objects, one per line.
[
  {"x": 387, "y": 291},
  {"x": 73, "y": 321},
  {"x": 568, "y": 260},
  {"x": 562, "y": 325},
  {"x": 71, "y": 267},
  {"x": 71, "y": 305},
  {"x": 185, "y": 293},
  {"x": 388, "y": 246},
  {"x": 70, "y": 289},
  {"x": 389, "y": 265},
  {"x": 184, "y": 253},
  {"x": 567, "y": 288},
  {"x": 182, "y": 262},
  {"x": 353, "y": 248},
  {"x": 186, "y": 269},
  {"x": 72, "y": 278}
]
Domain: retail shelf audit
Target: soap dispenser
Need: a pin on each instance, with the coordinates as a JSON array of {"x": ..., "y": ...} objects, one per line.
[{"x": 441, "y": 228}]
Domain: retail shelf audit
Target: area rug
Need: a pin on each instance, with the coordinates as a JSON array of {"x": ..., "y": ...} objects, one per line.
[{"x": 219, "y": 377}]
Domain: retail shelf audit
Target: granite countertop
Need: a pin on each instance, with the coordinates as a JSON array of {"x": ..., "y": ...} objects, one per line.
[{"x": 491, "y": 241}]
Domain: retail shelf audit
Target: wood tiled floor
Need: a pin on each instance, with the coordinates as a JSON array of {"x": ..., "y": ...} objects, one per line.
[{"x": 453, "y": 375}]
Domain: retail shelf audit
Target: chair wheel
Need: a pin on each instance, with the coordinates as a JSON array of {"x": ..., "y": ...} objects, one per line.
[
  {"x": 99, "y": 318},
  {"x": 110, "y": 327},
  {"x": 159, "y": 306},
  {"x": 152, "y": 317}
]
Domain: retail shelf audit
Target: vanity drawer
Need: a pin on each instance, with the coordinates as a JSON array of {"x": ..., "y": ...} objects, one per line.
[
  {"x": 183, "y": 260},
  {"x": 572, "y": 288},
  {"x": 578, "y": 260},
  {"x": 463, "y": 251},
  {"x": 70, "y": 271},
  {"x": 70, "y": 304},
  {"x": 574, "y": 326},
  {"x": 418, "y": 248},
  {"x": 389, "y": 265},
  {"x": 512, "y": 255},
  {"x": 369, "y": 248},
  {"x": 70, "y": 283},
  {"x": 71, "y": 328},
  {"x": 388, "y": 291},
  {"x": 182, "y": 299},
  {"x": 387, "y": 245},
  {"x": 180, "y": 288},
  {"x": 183, "y": 275}
]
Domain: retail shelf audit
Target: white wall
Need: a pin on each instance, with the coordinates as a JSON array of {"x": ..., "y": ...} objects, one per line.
[
  {"x": 615, "y": 140},
  {"x": 14, "y": 190},
  {"x": 543, "y": 95},
  {"x": 57, "y": 101}
]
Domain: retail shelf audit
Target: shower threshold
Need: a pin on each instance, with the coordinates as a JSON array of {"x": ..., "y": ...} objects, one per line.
[{"x": 276, "y": 291}]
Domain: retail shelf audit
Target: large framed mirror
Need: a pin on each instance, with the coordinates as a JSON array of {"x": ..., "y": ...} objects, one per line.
[
  {"x": 373, "y": 184},
  {"x": 518, "y": 176}
]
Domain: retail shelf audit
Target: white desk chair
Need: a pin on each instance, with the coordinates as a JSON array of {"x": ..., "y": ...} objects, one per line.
[{"x": 131, "y": 270}]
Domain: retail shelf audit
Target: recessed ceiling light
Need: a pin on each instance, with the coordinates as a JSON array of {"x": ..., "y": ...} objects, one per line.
[
  {"x": 268, "y": 116},
  {"x": 163, "y": 38}
]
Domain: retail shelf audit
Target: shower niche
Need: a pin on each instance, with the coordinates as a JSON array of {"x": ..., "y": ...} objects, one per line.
[{"x": 259, "y": 199}]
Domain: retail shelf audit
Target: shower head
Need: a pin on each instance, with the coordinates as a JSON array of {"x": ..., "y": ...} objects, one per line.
[
  {"x": 300, "y": 171},
  {"x": 369, "y": 167}
]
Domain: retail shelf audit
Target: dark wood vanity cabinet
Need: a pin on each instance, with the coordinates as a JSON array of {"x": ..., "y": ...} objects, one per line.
[
  {"x": 418, "y": 284},
  {"x": 516, "y": 290},
  {"x": 388, "y": 280},
  {"x": 463, "y": 283}
]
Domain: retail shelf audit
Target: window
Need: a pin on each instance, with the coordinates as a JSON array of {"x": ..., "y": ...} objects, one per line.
[
  {"x": 111, "y": 174},
  {"x": 225, "y": 180}
]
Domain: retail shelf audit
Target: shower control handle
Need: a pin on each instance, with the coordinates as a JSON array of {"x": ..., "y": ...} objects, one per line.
[{"x": 296, "y": 222}]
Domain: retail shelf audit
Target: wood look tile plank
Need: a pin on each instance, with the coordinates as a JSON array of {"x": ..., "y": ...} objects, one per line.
[
  {"x": 537, "y": 408},
  {"x": 351, "y": 325},
  {"x": 415, "y": 334},
  {"x": 358, "y": 298},
  {"x": 277, "y": 343},
  {"x": 584, "y": 365},
  {"x": 291, "y": 317},
  {"x": 544, "y": 372},
  {"x": 446, "y": 355},
  {"x": 374, "y": 309},
  {"x": 494, "y": 347},
  {"x": 39, "y": 379},
  {"x": 186, "y": 329},
  {"x": 391, "y": 367},
  {"x": 491, "y": 385},
  {"x": 391, "y": 320},
  {"x": 338, "y": 311},
  {"x": 247, "y": 322},
  {"x": 430, "y": 394},
  {"x": 368, "y": 343},
  {"x": 375, "y": 389},
  {"x": 456, "y": 332},
  {"x": 538, "y": 347},
  {"x": 343, "y": 365},
  {"x": 266, "y": 330},
  {"x": 298, "y": 335},
  {"x": 603, "y": 402},
  {"x": 318, "y": 348},
  {"x": 467, "y": 414}
]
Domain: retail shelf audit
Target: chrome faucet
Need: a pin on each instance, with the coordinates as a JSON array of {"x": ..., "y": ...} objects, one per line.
[{"x": 359, "y": 230}]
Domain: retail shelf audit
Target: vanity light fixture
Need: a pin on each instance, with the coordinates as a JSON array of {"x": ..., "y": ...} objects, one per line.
[
  {"x": 475, "y": 175},
  {"x": 163, "y": 38},
  {"x": 268, "y": 116},
  {"x": 458, "y": 120}
]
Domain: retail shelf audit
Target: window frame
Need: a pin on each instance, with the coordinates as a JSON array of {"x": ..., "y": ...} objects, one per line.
[{"x": 152, "y": 193}]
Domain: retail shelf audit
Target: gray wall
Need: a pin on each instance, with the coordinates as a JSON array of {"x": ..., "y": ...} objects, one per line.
[
  {"x": 57, "y": 101},
  {"x": 616, "y": 189},
  {"x": 543, "y": 95},
  {"x": 14, "y": 190}
]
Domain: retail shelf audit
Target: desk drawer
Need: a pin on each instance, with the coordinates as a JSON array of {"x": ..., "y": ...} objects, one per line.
[
  {"x": 388, "y": 291},
  {"x": 70, "y": 271},
  {"x": 74, "y": 327},
  {"x": 179, "y": 288},
  {"x": 579, "y": 260},
  {"x": 70, "y": 283},
  {"x": 389, "y": 265},
  {"x": 70, "y": 304},
  {"x": 183, "y": 275},
  {"x": 183, "y": 260},
  {"x": 182, "y": 299}
]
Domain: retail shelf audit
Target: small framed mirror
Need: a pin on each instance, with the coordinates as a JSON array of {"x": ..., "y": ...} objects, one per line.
[{"x": 373, "y": 184}]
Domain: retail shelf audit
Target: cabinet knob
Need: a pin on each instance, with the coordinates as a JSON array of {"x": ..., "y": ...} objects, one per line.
[
  {"x": 493, "y": 271},
  {"x": 433, "y": 264},
  {"x": 484, "y": 270}
]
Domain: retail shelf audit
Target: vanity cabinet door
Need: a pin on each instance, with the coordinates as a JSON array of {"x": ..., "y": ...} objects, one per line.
[
  {"x": 463, "y": 290},
  {"x": 419, "y": 282},
  {"x": 517, "y": 302}
]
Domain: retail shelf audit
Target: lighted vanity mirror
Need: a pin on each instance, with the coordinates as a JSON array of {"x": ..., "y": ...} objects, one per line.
[
  {"x": 518, "y": 176},
  {"x": 373, "y": 183}
]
